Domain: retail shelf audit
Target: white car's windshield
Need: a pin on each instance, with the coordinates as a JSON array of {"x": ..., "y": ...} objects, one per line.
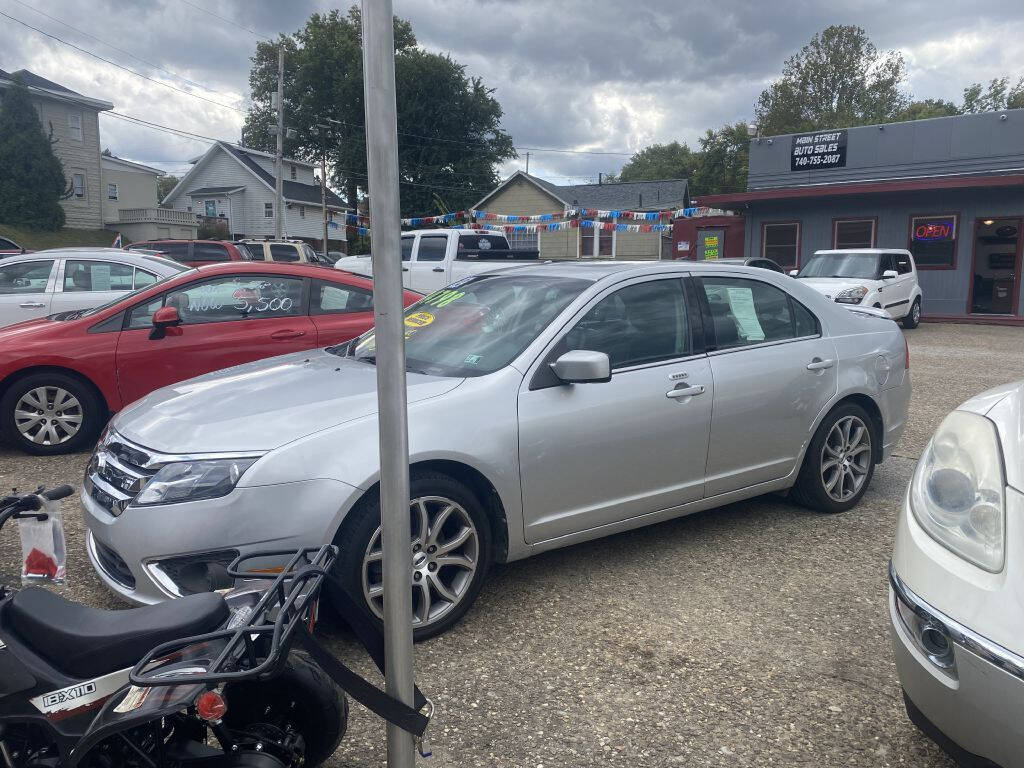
[
  {"x": 860, "y": 265},
  {"x": 476, "y": 326}
]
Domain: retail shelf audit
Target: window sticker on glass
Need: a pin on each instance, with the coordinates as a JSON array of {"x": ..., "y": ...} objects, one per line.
[
  {"x": 443, "y": 298},
  {"x": 419, "y": 319},
  {"x": 742, "y": 302},
  {"x": 473, "y": 359}
]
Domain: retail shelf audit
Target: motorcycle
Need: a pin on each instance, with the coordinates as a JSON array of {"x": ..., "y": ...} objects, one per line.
[{"x": 204, "y": 680}]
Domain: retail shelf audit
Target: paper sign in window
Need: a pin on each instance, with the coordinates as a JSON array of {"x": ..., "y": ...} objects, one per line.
[{"x": 741, "y": 300}]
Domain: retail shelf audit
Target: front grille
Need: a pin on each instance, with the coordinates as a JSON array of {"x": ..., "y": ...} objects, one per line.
[
  {"x": 117, "y": 473},
  {"x": 113, "y": 565}
]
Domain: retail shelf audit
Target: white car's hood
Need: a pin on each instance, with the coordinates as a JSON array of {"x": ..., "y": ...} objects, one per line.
[
  {"x": 830, "y": 286},
  {"x": 262, "y": 405},
  {"x": 1004, "y": 405}
]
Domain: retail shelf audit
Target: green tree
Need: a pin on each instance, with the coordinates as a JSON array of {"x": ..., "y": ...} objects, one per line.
[
  {"x": 997, "y": 96},
  {"x": 450, "y": 135},
  {"x": 724, "y": 157},
  {"x": 164, "y": 185},
  {"x": 925, "y": 108},
  {"x": 660, "y": 161},
  {"x": 32, "y": 181},
  {"x": 838, "y": 79}
]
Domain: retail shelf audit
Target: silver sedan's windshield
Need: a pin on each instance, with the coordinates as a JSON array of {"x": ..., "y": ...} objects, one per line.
[
  {"x": 476, "y": 326},
  {"x": 862, "y": 265}
]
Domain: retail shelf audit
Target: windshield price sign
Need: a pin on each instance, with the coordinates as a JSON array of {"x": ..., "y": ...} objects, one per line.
[{"x": 818, "y": 150}]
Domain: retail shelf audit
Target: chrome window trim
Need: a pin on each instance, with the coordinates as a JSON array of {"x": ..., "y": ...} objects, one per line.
[
  {"x": 763, "y": 344},
  {"x": 982, "y": 647}
]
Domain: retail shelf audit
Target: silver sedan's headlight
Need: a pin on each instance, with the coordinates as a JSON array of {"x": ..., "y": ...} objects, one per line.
[
  {"x": 852, "y": 295},
  {"x": 193, "y": 481},
  {"x": 957, "y": 494}
]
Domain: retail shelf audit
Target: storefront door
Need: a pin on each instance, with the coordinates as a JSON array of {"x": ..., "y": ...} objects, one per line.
[
  {"x": 710, "y": 244},
  {"x": 995, "y": 274}
]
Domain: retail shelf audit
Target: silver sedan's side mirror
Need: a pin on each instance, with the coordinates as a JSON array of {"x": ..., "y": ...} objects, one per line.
[
  {"x": 794, "y": 272},
  {"x": 582, "y": 365},
  {"x": 890, "y": 274}
]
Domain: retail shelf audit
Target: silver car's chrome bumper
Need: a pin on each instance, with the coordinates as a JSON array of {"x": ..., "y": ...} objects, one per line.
[{"x": 975, "y": 698}]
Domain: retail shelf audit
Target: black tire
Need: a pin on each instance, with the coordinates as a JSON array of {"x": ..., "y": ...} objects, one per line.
[
  {"x": 913, "y": 317},
  {"x": 302, "y": 696},
  {"x": 810, "y": 489},
  {"x": 91, "y": 410},
  {"x": 361, "y": 526}
]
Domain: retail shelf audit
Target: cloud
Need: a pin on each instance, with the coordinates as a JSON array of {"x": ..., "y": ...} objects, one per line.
[{"x": 586, "y": 75}]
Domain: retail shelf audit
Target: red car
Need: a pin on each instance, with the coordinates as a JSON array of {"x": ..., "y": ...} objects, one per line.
[
  {"x": 194, "y": 253},
  {"x": 62, "y": 376}
]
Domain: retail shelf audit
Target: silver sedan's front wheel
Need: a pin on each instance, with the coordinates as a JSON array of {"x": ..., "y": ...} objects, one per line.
[
  {"x": 846, "y": 458},
  {"x": 445, "y": 555}
]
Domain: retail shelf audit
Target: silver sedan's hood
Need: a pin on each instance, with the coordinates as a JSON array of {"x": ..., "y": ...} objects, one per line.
[
  {"x": 262, "y": 405},
  {"x": 1004, "y": 405}
]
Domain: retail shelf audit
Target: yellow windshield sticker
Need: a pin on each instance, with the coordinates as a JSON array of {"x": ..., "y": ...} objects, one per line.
[{"x": 419, "y": 319}]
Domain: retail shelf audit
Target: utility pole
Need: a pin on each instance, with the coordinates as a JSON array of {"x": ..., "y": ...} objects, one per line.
[
  {"x": 323, "y": 181},
  {"x": 527, "y": 162},
  {"x": 381, "y": 122},
  {"x": 279, "y": 160}
]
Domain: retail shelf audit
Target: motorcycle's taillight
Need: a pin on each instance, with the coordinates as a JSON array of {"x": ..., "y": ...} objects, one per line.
[{"x": 210, "y": 706}]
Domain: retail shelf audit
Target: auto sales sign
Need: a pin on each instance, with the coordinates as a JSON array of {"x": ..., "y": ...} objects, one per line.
[{"x": 818, "y": 150}]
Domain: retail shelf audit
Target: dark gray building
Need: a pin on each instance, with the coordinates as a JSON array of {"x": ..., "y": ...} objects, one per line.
[{"x": 949, "y": 189}]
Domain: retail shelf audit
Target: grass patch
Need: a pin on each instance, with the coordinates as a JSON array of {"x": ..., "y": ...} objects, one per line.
[{"x": 40, "y": 240}]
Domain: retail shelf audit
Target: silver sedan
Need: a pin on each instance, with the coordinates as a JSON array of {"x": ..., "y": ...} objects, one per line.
[{"x": 548, "y": 405}]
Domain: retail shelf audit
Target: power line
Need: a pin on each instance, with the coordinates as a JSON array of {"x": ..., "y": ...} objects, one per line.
[
  {"x": 119, "y": 50},
  {"x": 225, "y": 19},
  {"x": 119, "y": 66}
]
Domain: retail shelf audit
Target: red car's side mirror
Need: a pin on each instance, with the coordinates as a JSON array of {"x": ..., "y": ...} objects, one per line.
[{"x": 164, "y": 318}]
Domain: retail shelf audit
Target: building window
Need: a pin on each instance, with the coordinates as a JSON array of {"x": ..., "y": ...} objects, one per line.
[
  {"x": 853, "y": 233},
  {"x": 933, "y": 240},
  {"x": 211, "y": 208},
  {"x": 294, "y": 173},
  {"x": 75, "y": 127},
  {"x": 78, "y": 184},
  {"x": 527, "y": 241},
  {"x": 302, "y": 211},
  {"x": 268, "y": 210},
  {"x": 111, "y": 191},
  {"x": 605, "y": 243},
  {"x": 781, "y": 243}
]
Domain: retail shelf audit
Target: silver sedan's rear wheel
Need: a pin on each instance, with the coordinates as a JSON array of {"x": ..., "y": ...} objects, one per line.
[
  {"x": 839, "y": 462},
  {"x": 846, "y": 458},
  {"x": 445, "y": 555}
]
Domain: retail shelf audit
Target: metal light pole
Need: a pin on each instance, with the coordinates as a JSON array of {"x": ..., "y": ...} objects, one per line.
[
  {"x": 382, "y": 170},
  {"x": 279, "y": 161},
  {"x": 322, "y": 130}
]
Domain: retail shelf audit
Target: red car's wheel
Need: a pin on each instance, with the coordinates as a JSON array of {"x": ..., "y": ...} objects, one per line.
[{"x": 51, "y": 413}]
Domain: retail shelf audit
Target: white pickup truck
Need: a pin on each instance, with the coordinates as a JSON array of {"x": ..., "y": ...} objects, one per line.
[{"x": 433, "y": 258}]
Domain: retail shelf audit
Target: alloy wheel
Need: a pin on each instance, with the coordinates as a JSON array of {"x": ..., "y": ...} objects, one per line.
[
  {"x": 48, "y": 415},
  {"x": 916, "y": 312},
  {"x": 846, "y": 458},
  {"x": 445, "y": 554}
]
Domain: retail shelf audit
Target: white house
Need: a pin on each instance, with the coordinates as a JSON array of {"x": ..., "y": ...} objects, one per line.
[
  {"x": 234, "y": 185},
  {"x": 129, "y": 192}
]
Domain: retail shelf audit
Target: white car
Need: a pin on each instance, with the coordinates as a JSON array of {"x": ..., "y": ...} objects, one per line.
[
  {"x": 63, "y": 279},
  {"x": 956, "y": 599},
  {"x": 883, "y": 278}
]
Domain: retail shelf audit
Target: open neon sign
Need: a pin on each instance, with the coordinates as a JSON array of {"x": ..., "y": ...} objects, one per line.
[{"x": 934, "y": 229}]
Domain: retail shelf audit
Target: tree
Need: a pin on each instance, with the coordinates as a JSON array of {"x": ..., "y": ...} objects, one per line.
[
  {"x": 925, "y": 108},
  {"x": 660, "y": 161},
  {"x": 724, "y": 156},
  {"x": 32, "y": 181},
  {"x": 999, "y": 95},
  {"x": 450, "y": 136},
  {"x": 164, "y": 185},
  {"x": 838, "y": 79}
]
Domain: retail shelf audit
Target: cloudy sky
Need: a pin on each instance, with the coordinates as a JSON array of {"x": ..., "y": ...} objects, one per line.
[{"x": 597, "y": 76}]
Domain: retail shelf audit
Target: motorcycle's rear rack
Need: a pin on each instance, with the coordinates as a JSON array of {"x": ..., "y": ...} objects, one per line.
[{"x": 292, "y": 594}]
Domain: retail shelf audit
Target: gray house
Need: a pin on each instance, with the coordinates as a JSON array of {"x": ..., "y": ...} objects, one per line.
[
  {"x": 949, "y": 189},
  {"x": 234, "y": 187},
  {"x": 72, "y": 120}
]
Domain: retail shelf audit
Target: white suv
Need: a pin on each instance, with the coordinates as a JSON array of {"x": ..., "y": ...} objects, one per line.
[{"x": 883, "y": 278}]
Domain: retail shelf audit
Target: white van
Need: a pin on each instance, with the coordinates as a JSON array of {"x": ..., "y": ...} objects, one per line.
[{"x": 884, "y": 278}]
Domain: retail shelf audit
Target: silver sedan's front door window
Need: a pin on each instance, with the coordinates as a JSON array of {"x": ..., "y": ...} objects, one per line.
[
  {"x": 600, "y": 453},
  {"x": 25, "y": 290},
  {"x": 766, "y": 397}
]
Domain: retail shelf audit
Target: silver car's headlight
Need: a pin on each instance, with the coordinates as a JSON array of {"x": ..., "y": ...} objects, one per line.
[
  {"x": 957, "y": 493},
  {"x": 852, "y": 295},
  {"x": 193, "y": 480}
]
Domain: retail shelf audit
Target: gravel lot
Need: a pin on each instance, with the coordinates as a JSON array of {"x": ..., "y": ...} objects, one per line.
[{"x": 751, "y": 635}]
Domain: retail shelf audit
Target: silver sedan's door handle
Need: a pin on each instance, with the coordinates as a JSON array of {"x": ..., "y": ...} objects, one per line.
[
  {"x": 685, "y": 391},
  {"x": 32, "y": 305},
  {"x": 817, "y": 364}
]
